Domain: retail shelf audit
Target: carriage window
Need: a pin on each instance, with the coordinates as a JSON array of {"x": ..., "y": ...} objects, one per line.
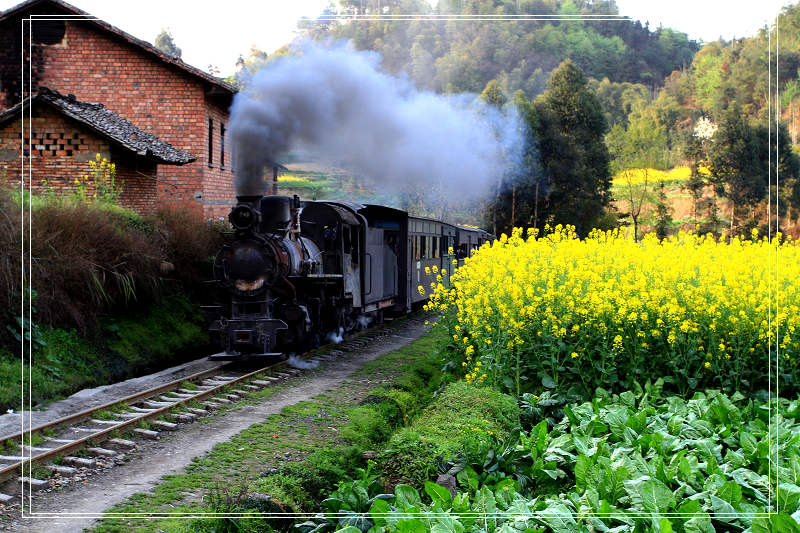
[
  {"x": 354, "y": 258},
  {"x": 416, "y": 246},
  {"x": 436, "y": 247},
  {"x": 423, "y": 247}
]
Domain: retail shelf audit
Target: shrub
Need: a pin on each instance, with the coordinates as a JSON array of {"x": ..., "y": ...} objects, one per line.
[
  {"x": 93, "y": 258},
  {"x": 462, "y": 420}
]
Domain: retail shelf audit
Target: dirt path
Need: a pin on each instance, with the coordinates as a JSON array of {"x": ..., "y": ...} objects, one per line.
[{"x": 171, "y": 454}]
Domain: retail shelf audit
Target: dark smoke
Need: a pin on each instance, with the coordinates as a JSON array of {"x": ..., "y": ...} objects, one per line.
[{"x": 339, "y": 102}]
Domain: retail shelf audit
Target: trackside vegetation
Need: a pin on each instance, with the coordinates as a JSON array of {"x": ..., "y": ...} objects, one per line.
[{"x": 102, "y": 278}]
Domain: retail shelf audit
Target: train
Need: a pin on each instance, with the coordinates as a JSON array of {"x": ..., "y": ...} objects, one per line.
[{"x": 298, "y": 273}]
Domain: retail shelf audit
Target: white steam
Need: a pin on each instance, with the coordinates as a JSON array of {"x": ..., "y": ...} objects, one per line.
[
  {"x": 335, "y": 336},
  {"x": 301, "y": 364},
  {"x": 338, "y": 101}
]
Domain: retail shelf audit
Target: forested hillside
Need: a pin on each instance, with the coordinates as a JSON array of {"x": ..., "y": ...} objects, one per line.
[
  {"x": 462, "y": 56},
  {"x": 686, "y": 125}
]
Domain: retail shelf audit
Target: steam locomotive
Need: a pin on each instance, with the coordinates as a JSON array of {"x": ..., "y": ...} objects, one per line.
[{"x": 298, "y": 271}]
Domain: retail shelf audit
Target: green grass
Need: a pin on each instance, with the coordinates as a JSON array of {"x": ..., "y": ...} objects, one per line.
[
  {"x": 311, "y": 432},
  {"x": 462, "y": 419},
  {"x": 168, "y": 333}
]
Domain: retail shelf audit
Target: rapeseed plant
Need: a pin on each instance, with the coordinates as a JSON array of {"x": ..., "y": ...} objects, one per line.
[{"x": 607, "y": 311}]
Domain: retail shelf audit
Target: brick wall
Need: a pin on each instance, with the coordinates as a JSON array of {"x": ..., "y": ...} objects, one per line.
[
  {"x": 218, "y": 191},
  {"x": 61, "y": 154},
  {"x": 97, "y": 66}
]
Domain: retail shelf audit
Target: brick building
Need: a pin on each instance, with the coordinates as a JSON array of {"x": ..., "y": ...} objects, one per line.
[
  {"x": 156, "y": 93},
  {"x": 68, "y": 133}
]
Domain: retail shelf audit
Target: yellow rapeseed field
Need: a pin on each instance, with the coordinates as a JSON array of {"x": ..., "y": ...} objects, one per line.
[
  {"x": 289, "y": 179},
  {"x": 606, "y": 311},
  {"x": 654, "y": 176}
]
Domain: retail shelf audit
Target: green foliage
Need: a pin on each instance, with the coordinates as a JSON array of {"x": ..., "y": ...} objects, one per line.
[
  {"x": 573, "y": 153},
  {"x": 462, "y": 420},
  {"x": 629, "y": 463},
  {"x": 99, "y": 185},
  {"x": 459, "y": 56},
  {"x": 165, "y": 43},
  {"x": 65, "y": 362}
]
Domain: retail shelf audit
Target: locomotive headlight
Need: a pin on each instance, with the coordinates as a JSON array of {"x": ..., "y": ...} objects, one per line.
[
  {"x": 243, "y": 217},
  {"x": 245, "y": 285}
]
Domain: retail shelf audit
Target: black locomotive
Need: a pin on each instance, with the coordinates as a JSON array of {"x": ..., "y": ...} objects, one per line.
[{"x": 297, "y": 272}]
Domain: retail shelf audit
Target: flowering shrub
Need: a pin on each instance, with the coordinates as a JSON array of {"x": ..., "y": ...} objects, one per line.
[
  {"x": 100, "y": 183},
  {"x": 605, "y": 311}
]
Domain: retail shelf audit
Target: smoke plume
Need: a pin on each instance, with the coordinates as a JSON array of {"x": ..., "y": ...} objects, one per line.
[{"x": 338, "y": 101}]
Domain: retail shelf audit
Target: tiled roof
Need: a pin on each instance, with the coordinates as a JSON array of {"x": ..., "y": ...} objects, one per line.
[{"x": 107, "y": 124}]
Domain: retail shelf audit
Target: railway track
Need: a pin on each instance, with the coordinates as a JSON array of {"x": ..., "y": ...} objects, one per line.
[{"x": 94, "y": 433}]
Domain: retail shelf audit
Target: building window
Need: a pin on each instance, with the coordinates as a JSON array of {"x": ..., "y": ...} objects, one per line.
[
  {"x": 211, "y": 142},
  {"x": 222, "y": 145}
]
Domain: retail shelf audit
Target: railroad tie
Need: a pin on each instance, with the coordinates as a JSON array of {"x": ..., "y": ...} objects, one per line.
[
  {"x": 240, "y": 392},
  {"x": 63, "y": 470},
  {"x": 261, "y": 383},
  {"x": 251, "y": 387},
  {"x": 36, "y": 484},
  {"x": 5, "y": 498},
  {"x": 11, "y": 458},
  {"x": 186, "y": 418},
  {"x": 157, "y": 404},
  {"x": 233, "y": 397},
  {"x": 35, "y": 449},
  {"x": 172, "y": 400},
  {"x": 122, "y": 443},
  {"x": 140, "y": 410},
  {"x": 220, "y": 399},
  {"x": 102, "y": 452},
  {"x": 211, "y": 405},
  {"x": 191, "y": 392},
  {"x": 146, "y": 433},
  {"x": 107, "y": 422},
  {"x": 198, "y": 412},
  {"x": 130, "y": 415},
  {"x": 169, "y": 426},
  {"x": 79, "y": 461}
]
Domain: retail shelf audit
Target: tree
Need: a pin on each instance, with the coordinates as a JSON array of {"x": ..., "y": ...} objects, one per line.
[
  {"x": 165, "y": 43},
  {"x": 494, "y": 97},
  {"x": 636, "y": 150},
  {"x": 738, "y": 165},
  {"x": 663, "y": 214},
  {"x": 574, "y": 156}
]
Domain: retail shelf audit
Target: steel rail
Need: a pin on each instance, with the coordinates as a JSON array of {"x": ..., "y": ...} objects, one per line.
[
  {"x": 8, "y": 472},
  {"x": 82, "y": 415}
]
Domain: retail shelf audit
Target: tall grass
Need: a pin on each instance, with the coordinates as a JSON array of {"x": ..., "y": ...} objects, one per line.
[{"x": 90, "y": 259}]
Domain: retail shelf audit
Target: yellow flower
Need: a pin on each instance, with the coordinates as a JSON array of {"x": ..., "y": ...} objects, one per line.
[
  {"x": 574, "y": 355},
  {"x": 707, "y": 364}
]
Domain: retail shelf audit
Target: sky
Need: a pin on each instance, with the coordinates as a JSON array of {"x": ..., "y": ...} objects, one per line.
[{"x": 216, "y": 33}]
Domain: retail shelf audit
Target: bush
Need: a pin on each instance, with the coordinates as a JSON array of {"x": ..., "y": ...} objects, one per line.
[
  {"x": 463, "y": 419},
  {"x": 94, "y": 258}
]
